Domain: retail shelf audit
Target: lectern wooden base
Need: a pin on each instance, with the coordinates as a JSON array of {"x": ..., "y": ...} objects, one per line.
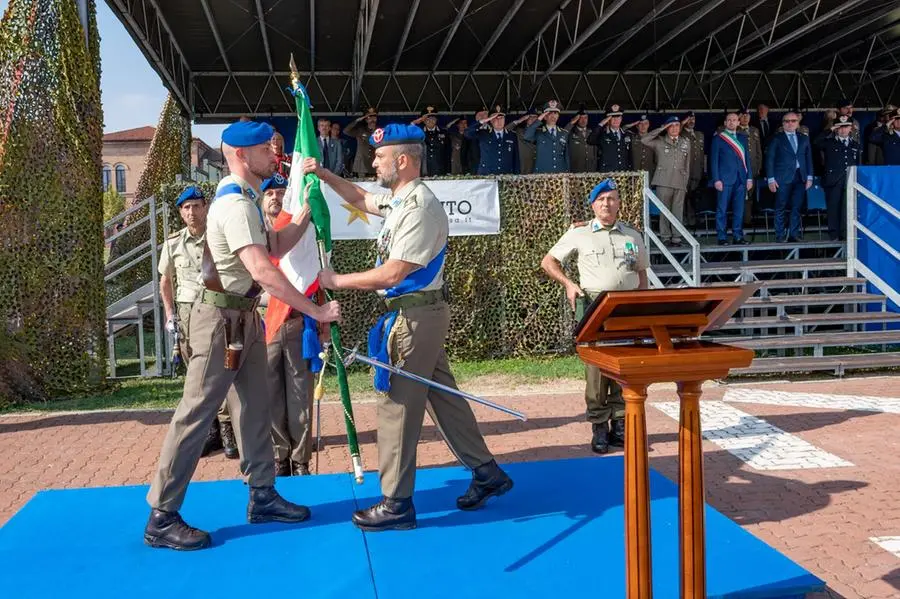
[{"x": 662, "y": 315}]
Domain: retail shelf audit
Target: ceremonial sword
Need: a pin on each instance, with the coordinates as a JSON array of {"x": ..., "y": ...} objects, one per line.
[{"x": 355, "y": 356}]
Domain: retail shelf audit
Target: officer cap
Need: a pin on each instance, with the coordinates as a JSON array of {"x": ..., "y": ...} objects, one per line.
[
  {"x": 644, "y": 117},
  {"x": 671, "y": 119},
  {"x": 498, "y": 111},
  {"x": 744, "y": 110},
  {"x": 191, "y": 193},
  {"x": 243, "y": 134},
  {"x": 614, "y": 110},
  {"x": 551, "y": 106},
  {"x": 843, "y": 121},
  {"x": 605, "y": 185},
  {"x": 429, "y": 111},
  {"x": 276, "y": 181},
  {"x": 581, "y": 110},
  {"x": 887, "y": 110},
  {"x": 371, "y": 112},
  {"x": 845, "y": 103},
  {"x": 396, "y": 134},
  {"x": 690, "y": 114},
  {"x": 896, "y": 113}
]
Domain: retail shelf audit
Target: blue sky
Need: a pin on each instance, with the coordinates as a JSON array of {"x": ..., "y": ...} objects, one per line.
[{"x": 133, "y": 93}]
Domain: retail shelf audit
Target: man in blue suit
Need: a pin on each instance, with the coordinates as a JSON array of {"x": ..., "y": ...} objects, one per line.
[
  {"x": 498, "y": 147},
  {"x": 789, "y": 171},
  {"x": 730, "y": 170}
]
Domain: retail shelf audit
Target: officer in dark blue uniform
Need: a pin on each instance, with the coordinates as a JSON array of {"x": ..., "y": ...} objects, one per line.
[
  {"x": 887, "y": 137},
  {"x": 613, "y": 143},
  {"x": 436, "y": 159},
  {"x": 552, "y": 141},
  {"x": 841, "y": 151},
  {"x": 499, "y": 148}
]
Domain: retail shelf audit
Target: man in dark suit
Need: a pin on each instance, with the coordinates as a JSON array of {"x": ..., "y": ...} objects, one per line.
[
  {"x": 763, "y": 123},
  {"x": 332, "y": 153},
  {"x": 789, "y": 172},
  {"x": 730, "y": 170},
  {"x": 841, "y": 151}
]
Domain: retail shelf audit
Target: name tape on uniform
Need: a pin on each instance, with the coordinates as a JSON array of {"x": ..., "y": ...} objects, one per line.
[{"x": 472, "y": 207}]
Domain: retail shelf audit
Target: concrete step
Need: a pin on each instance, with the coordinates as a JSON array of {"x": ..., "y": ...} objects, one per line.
[
  {"x": 813, "y": 299},
  {"x": 837, "y": 364},
  {"x": 832, "y": 339}
]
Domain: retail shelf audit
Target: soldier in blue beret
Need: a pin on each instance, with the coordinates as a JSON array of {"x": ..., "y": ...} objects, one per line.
[
  {"x": 409, "y": 278},
  {"x": 611, "y": 256},
  {"x": 498, "y": 148},
  {"x": 552, "y": 141},
  {"x": 228, "y": 344}
]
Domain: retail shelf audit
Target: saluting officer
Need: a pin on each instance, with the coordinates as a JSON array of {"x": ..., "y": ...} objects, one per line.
[
  {"x": 613, "y": 143},
  {"x": 409, "y": 277},
  {"x": 887, "y": 137},
  {"x": 498, "y": 148},
  {"x": 436, "y": 161},
  {"x": 643, "y": 158},
  {"x": 841, "y": 152},
  {"x": 611, "y": 257},
  {"x": 551, "y": 141},
  {"x": 360, "y": 129},
  {"x": 582, "y": 155},
  {"x": 228, "y": 345},
  {"x": 459, "y": 146},
  {"x": 527, "y": 149},
  {"x": 673, "y": 167}
]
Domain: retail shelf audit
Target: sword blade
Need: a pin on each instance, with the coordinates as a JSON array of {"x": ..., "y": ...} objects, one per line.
[{"x": 356, "y": 356}]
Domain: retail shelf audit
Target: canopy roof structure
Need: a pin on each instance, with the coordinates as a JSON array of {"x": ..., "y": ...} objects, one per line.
[{"x": 228, "y": 58}]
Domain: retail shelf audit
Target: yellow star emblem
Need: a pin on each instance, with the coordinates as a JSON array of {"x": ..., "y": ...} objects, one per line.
[{"x": 355, "y": 213}]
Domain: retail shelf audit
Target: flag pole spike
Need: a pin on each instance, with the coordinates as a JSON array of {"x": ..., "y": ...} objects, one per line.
[{"x": 295, "y": 76}]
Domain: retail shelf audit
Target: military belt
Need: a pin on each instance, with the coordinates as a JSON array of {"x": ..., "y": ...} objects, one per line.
[
  {"x": 229, "y": 301},
  {"x": 415, "y": 300}
]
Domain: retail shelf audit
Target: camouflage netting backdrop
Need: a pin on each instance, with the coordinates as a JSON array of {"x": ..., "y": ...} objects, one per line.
[
  {"x": 51, "y": 214},
  {"x": 502, "y": 303}
]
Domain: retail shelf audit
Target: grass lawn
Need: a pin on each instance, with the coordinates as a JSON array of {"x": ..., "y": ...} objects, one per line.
[{"x": 161, "y": 393}]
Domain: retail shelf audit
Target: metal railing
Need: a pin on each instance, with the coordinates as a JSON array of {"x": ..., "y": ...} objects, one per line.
[
  {"x": 132, "y": 307},
  {"x": 854, "y": 264},
  {"x": 692, "y": 279}
]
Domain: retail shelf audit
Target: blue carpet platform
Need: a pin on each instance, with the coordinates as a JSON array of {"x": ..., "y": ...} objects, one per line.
[{"x": 551, "y": 536}]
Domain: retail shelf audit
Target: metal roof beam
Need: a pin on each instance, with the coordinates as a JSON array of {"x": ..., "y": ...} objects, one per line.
[
  {"x": 623, "y": 39},
  {"x": 707, "y": 8},
  {"x": 498, "y": 31},
  {"x": 368, "y": 11},
  {"x": 312, "y": 35},
  {"x": 460, "y": 15},
  {"x": 860, "y": 24},
  {"x": 406, "y": 29},
  {"x": 215, "y": 32},
  {"x": 716, "y": 32},
  {"x": 261, "y": 18},
  {"x": 796, "y": 33}
]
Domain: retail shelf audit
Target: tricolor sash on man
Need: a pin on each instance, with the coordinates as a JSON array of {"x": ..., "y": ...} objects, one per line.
[{"x": 735, "y": 144}]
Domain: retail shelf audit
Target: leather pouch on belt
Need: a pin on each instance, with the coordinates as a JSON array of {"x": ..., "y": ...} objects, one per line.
[{"x": 234, "y": 339}]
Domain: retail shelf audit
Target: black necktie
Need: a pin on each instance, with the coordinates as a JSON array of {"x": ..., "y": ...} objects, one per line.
[{"x": 325, "y": 151}]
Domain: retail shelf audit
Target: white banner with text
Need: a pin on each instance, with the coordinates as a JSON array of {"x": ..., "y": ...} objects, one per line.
[{"x": 472, "y": 207}]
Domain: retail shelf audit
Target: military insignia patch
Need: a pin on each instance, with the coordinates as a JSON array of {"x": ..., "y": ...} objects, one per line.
[{"x": 378, "y": 135}]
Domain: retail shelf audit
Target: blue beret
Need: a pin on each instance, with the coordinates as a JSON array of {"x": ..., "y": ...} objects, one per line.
[
  {"x": 605, "y": 185},
  {"x": 276, "y": 181},
  {"x": 395, "y": 134},
  {"x": 671, "y": 119},
  {"x": 191, "y": 193},
  {"x": 243, "y": 134}
]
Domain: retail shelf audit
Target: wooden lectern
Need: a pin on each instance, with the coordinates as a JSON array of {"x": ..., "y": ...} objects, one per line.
[{"x": 651, "y": 337}]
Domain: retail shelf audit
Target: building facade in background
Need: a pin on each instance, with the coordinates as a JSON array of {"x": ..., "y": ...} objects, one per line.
[{"x": 125, "y": 156}]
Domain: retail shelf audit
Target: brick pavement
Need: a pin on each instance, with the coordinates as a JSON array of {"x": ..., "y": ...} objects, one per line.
[{"x": 827, "y": 519}]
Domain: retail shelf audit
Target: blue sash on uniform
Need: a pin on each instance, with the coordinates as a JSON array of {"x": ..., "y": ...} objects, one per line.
[{"x": 379, "y": 335}]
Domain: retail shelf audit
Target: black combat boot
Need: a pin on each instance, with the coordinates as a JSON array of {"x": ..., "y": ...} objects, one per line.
[
  {"x": 266, "y": 505},
  {"x": 298, "y": 469},
  {"x": 231, "y": 449},
  {"x": 617, "y": 433},
  {"x": 213, "y": 440},
  {"x": 600, "y": 440},
  {"x": 167, "y": 529},
  {"x": 387, "y": 514},
  {"x": 488, "y": 480},
  {"x": 283, "y": 467}
]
